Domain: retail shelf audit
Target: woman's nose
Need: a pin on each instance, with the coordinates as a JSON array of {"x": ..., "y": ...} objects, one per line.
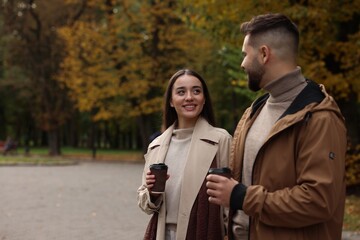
[{"x": 188, "y": 96}]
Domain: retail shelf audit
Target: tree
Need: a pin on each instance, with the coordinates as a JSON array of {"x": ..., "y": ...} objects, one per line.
[
  {"x": 330, "y": 39},
  {"x": 120, "y": 59},
  {"x": 36, "y": 50}
]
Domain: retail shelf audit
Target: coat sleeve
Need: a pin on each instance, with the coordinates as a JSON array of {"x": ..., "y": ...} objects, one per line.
[
  {"x": 144, "y": 199},
  {"x": 223, "y": 152},
  {"x": 319, "y": 189},
  {"x": 145, "y": 203},
  {"x": 223, "y": 157}
]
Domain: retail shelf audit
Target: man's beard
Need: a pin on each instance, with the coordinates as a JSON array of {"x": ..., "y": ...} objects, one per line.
[{"x": 255, "y": 75}]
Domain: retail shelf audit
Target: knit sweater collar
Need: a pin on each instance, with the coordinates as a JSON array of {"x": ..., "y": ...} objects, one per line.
[
  {"x": 287, "y": 87},
  {"x": 183, "y": 133}
]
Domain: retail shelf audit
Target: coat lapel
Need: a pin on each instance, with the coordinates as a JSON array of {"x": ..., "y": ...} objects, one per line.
[
  {"x": 204, "y": 146},
  {"x": 203, "y": 149},
  {"x": 162, "y": 142},
  {"x": 158, "y": 156}
]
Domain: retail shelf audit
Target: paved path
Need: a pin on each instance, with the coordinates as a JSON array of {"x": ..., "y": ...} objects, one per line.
[{"x": 89, "y": 201}]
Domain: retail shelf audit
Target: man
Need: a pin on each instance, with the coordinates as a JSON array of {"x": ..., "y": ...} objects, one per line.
[{"x": 288, "y": 153}]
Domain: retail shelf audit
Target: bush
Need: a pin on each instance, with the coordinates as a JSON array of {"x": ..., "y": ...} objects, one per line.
[{"x": 352, "y": 166}]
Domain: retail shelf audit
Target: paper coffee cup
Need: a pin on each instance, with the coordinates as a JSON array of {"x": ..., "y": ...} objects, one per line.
[
  {"x": 160, "y": 172},
  {"x": 226, "y": 172}
]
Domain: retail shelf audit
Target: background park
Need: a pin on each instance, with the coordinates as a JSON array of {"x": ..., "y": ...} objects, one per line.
[{"x": 84, "y": 79}]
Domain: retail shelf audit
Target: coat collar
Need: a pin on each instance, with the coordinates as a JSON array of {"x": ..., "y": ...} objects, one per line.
[
  {"x": 310, "y": 94},
  {"x": 202, "y": 130}
]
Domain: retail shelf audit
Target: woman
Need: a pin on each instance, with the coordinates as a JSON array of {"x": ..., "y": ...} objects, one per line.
[{"x": 190, "y": 145}]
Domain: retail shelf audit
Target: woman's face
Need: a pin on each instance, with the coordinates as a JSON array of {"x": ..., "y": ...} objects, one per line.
[{"x": 188, "y": 100}]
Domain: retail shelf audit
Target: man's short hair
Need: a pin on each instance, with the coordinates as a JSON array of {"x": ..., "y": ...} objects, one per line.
[{"x": 276, "y": 24}]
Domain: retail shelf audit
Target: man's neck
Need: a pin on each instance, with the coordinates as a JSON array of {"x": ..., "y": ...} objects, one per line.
[
  {"x": 276, "y": 71},
  {"x": 286, "y": 87}
]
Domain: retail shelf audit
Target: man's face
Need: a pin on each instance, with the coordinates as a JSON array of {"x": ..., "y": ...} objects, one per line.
[{"x": 252, "y": 66}]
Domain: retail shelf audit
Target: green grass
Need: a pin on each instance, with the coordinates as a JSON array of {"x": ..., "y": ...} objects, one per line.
[
  {"x": 34, "y": 160},
  {"x": 69, "y": 150},
  {"x": 40, "y": 156},
  {"x": 85, "y": 153}
]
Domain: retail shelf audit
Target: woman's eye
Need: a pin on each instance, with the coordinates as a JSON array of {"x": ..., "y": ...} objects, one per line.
[
  {"x": 181, "y": 92},
  {"x": 197, "y": 91}
]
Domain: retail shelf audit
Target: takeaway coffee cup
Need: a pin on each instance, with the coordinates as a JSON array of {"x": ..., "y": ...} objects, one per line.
[
  {"x": 160, "y": 172},
  {"x": 226, "y": 172}
]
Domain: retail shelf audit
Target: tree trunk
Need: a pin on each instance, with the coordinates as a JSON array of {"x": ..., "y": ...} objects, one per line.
[
  {"x": 116, "y": 140},
  {"x": 54, "y": 142},
  {"x": 44, "y": 138},
  {"x": 93, "y": 139},
  {"x": 72, "y": 132},
  {"x": 351, "y": 111},
  {"x": 144, "y": 130}
]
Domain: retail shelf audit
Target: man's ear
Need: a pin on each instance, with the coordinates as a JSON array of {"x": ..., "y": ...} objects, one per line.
[{"x": 264, "y": 53}]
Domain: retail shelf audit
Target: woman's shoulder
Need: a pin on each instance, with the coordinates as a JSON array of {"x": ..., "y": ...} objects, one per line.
[
  {"x": 205, "y": 126},
  {"x": 221, "y": 131},
  {"x": 161, "y": 138},
  {"x": 217, "y": 131}
]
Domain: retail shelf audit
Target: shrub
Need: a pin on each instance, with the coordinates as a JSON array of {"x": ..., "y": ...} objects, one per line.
[{"x": 352, "y": 166}]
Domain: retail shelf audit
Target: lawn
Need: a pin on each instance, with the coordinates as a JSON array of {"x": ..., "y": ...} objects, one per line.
[
  {"x": 34, "y": 160},
  {"x": 86, "y": 154}
]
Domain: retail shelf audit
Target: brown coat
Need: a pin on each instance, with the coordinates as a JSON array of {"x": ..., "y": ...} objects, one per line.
[
  {"x": 208, "y": 143},
  {"x": 298, "y": 184}
]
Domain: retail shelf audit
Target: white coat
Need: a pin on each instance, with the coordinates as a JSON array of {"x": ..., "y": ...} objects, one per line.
[{"x": 207, "y": 143}]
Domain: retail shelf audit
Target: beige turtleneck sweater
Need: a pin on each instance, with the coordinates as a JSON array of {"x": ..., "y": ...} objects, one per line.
[
  {"x": 282, "y": 92},
  {"x": 176, "y": 159}
]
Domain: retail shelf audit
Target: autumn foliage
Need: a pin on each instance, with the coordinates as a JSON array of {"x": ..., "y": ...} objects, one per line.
[{"x": 110, "y": 60}]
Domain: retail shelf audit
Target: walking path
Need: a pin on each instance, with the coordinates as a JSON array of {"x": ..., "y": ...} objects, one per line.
[{"x": 89, "y": 201}]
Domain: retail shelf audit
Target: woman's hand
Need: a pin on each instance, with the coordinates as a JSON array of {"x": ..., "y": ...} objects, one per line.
[{"x": 150, "y": 180}]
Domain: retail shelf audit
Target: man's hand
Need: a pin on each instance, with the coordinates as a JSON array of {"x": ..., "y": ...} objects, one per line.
[{"x": 219, "y": 189}]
